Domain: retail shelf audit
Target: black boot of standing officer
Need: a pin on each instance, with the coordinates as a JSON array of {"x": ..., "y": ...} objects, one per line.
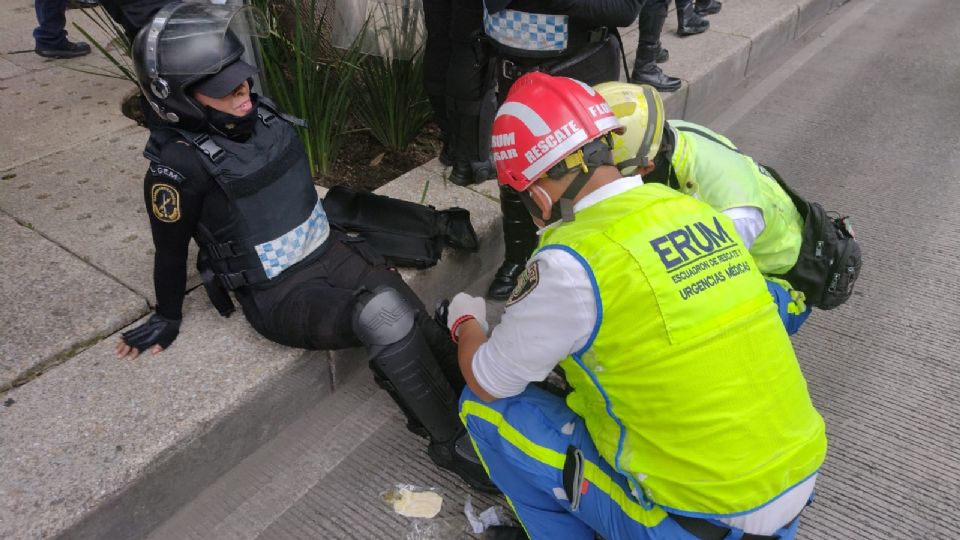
[
  {"x": 708, "y": 7},
  {"x": 645, "y": 68},
  {"x": 689, "y": 22}
]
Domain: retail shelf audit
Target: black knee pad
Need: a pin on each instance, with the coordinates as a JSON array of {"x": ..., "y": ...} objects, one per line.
[{"x": 400, "y": 355}]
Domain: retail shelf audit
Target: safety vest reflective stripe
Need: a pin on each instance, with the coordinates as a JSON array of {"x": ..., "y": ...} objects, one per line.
[{"x": 591, "y": 472}]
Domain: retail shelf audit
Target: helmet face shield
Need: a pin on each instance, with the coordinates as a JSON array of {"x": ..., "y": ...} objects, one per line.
[
  {"x": 185, "y": 43},
  {"x": 203, "y": 29}
]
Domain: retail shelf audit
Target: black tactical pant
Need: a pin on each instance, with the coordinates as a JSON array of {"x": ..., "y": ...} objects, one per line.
[
  {"x": 457, "y": 76},
  {"x": 313, "y": 307}
]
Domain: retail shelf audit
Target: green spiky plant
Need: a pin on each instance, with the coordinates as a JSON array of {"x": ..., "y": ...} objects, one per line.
[
  {"x": 307, "y": 77},
  {"x": 390, "y": 99},
  {"x": 116, "y": 40}
]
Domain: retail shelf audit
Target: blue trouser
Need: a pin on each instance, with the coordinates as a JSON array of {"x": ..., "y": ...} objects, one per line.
[
  {"x": 52, "y": 21},
  {"x": 787, "y": 308},
  {"x": 523, "y": 442}
]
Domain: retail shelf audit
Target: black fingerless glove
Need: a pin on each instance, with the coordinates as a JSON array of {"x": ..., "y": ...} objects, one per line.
[{"x": 158, "y": 330}]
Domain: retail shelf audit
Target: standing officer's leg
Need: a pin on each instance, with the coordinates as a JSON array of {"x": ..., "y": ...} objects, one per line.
[
  {"x": 519, "y": 232},
  {"x": 645, "y": 69},
  {"x": 689, "y": 22},
  {"x": 519, "y": 241},
  {"x": 436, "y": 60},
  {"x": 471, "y": 100},
  {"x": 50, "y": 35}
]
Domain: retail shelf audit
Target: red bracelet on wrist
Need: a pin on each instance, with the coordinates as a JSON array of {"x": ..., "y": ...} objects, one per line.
[{"x": 456, "y": 326}]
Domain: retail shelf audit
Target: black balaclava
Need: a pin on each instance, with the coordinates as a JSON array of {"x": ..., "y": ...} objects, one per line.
[
  {"x": 237, "y": 128},
  {"x": 663, "y": 173}
]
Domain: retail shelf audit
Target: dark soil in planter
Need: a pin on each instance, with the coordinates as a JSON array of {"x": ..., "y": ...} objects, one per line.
[{"x": 363, "y": 163}]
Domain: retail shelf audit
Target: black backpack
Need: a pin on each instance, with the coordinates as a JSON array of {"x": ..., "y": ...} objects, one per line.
[
  {"x": 829, "y": 261},
  {"x": 404, "y": 233}
]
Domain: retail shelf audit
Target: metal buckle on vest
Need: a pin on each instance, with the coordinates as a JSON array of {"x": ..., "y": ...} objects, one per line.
[
  {"x": 599, "y": 34},
  {"x": 266, "y": 117},
  {"x": 208, "y": 147},
  {"x": 512, "y": 71},
  {"x": 223, "y": 251},
  {"x": 235, "y": 280}
]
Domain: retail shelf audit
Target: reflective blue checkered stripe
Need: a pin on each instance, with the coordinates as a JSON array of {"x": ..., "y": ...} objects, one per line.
[
  {"x": 527, "y": 31},
  {"x": 283, "y": 252}
]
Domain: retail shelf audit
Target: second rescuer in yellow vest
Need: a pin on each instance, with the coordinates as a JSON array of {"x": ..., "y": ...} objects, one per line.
[
  {"x": 698, "y": 161},
  {"x": 689, "y": 414}
]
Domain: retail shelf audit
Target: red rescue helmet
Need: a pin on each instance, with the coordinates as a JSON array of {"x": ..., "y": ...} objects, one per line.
[{"x": 543, "y": 120}]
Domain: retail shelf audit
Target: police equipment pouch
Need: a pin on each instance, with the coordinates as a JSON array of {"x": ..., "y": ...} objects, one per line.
[
  {"x": 828, "y": 264},
  {"x": 405, "y": 233},
  {"x": 218, "y": 294}
]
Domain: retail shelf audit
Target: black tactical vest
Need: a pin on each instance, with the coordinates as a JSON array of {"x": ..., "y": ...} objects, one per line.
[{"x": 276, "y": 219}]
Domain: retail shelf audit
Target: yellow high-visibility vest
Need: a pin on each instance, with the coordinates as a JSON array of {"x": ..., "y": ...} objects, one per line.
[
  {"x": 689, "y": 385},
  {"x": 724, "y": 178}
]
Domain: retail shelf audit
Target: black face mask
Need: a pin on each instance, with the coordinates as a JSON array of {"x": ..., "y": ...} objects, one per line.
[
  {"x": 663, "y": 173},
  {"x": 238, "y": 128}
]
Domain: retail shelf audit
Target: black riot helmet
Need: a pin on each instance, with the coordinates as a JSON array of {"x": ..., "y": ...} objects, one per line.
[{"x": 185, "y": 43}]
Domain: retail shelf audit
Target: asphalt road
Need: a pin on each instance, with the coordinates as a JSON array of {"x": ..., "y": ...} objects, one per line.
[{"x": 866, "y": 120}]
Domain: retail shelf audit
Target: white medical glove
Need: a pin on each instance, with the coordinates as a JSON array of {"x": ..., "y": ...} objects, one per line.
[{"x": 464, "y": 307}]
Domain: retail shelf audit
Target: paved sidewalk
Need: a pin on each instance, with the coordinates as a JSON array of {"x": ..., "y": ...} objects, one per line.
[{"x": 95, "y": 447}]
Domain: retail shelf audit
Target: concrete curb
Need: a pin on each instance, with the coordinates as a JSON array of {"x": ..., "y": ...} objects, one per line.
[{"x": 96, "y": 448}]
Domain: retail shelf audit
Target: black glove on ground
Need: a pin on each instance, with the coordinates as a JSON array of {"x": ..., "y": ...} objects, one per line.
[{"x": 158, "y": 330}]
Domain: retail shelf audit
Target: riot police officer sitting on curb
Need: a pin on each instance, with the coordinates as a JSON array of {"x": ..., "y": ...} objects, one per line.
[{"x": 228, "y": 169}]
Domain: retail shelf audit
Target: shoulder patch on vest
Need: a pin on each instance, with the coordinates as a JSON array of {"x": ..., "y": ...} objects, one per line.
[
  {"x": 166, "y": 172},
  {"x": 165, "y": 201},
  {"x": 526, "y": 283}
]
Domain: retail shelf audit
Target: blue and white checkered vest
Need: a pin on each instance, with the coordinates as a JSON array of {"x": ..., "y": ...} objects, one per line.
[
  {"x": 277, "y": 219},
  {"x": 530, "y": 35}
]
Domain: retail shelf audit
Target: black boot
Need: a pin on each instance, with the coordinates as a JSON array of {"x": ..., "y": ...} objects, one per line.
[
  {"x": 708, "y": 7},
  {"x": 646, "y": 71},
  {"x": 662, "y": 55},
  {"x": 459, "y": 456},
  {"x": 464, "y": 173},
  {"x": 519, "y": 239},
  {"x": 688, "y": 22},
  {"x": 471, "y": 124}
]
